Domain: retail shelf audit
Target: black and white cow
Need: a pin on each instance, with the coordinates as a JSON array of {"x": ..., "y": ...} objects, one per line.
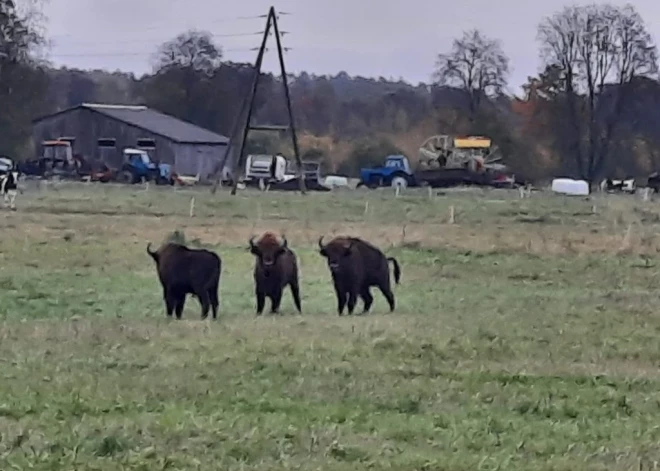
[
  {"x": 625, "y": 186},
  {"x": 9, "y": 188}
]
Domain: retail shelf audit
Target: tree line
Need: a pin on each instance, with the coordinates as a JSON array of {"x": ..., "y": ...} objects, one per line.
[{"x": 590, "y": 113}]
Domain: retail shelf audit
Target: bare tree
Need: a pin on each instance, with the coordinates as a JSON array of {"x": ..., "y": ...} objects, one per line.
[
  {"x": 475, "y": 64},
  {"x": 22, "y": 82},
  {"x": 194, "y": 50},
  {"x": 184, "y": 69},
  {"x": 600, "y": 50},
  {"x": 20, "y": 34}
]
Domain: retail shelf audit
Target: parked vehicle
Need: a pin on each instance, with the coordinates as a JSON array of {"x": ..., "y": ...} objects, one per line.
[
  {"x": 262, "y": 169},
  {"x": 138, "y": 167},
  {"x": 395, "y": 172},
  {"x": 278, "y": 173},
  {"x": 444, "y": 161},
  {"x": 55, "y": 158},
  {"x": 311, "y": 170}
]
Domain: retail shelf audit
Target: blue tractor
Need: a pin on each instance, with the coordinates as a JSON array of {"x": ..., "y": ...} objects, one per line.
[
  {"x": 138, "y": 167},
  {"x": 395, "y": 172}
]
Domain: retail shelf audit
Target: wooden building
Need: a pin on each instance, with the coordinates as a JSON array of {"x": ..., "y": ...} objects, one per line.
[{"x": 100, "y": 132}]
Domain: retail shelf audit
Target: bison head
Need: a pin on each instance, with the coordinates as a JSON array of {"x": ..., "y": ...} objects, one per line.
[
  {"x": 268, "y": 249},
  {"x": 335, "y": 251}
]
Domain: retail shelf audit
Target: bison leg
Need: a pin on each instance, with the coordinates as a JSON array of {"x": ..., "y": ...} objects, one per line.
[
  {"x": 213, "y": 297},
  {"x": 295, "y": 291},
  {"x": 341, "y": 300},
  {"x": 170, "y": 302},
  {"x": 387, "y": 292},
  {"x": 180, "y": 302},
  {"x": 367, "y": 298},
  {"x": 275, "y": 301},
  {"x": 205, "y": 303},
  {"x": 352, "y": 300},
  {"x": 261, "y": 301}
]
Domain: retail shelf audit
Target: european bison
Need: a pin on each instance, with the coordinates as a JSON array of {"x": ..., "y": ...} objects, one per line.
[
  {"x": 356, "y": 266},
  {"x": 275, "y": 267},
  {"x": 185, "y": 271}
]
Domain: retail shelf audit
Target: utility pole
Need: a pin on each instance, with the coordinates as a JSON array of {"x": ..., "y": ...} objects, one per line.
[
  {"x": 287, "y": 93},
  {"x": 248, "y": 105},
  {"x": 221, "y": 165}
]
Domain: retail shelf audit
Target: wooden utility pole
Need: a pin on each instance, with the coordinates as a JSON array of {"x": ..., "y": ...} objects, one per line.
[
  {"x": 221, "y": 165},
  {"x": 238, "y": 166},
  {"x": 287, "y": 94},
  {"x": 248, "y": 105}
]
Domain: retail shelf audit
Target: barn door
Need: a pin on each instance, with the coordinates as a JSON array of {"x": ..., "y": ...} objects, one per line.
[{"x": 107, "y": 152}]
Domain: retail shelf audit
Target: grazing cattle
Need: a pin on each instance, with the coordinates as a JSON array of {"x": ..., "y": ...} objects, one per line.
[
  {"x": 275, "y": 267},
  {"x": 356, "y": 266},
  {"x": 9, "y": 188},
  {"x": 654, "y": 182},
  {"x": 626, "y": 186},
  {"x": 185, "y": 271}
]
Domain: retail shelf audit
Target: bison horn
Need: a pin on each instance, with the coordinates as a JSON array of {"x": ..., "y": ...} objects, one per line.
[
  {"x": 252, "y": 246},
  {"x": 321, "y": 243},
  {"x": 285, "y": 243}
]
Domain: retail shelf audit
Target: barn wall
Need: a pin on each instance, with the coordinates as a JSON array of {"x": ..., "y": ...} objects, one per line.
[
  {"x": 194, "y": 159},
  {"x": 88, "y": 126}
]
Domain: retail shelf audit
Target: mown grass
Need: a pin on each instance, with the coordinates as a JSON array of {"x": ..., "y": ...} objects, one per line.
[{"x": 526, "y": 336}]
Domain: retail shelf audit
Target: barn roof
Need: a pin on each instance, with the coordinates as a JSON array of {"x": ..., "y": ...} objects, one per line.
[{"x": 154, "y": 121}]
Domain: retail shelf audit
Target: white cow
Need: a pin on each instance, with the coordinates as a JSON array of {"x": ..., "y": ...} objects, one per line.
[{"x": 9, "y": 188}]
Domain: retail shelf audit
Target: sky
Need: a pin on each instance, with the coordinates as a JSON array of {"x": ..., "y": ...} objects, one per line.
[{"x": 398, "y": 39}]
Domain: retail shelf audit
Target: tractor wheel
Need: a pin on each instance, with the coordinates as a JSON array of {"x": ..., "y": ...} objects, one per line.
[
  {"x": 125, "y": 177},
  {"x": 400, "y": 181}
]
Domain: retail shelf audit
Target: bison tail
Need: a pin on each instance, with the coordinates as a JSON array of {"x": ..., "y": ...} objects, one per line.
[
  {"x": 397, "y": 269},
  {"x": 153, "y": 255}
]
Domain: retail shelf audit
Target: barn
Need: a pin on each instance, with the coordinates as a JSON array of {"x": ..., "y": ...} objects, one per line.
[{"x": 100, "y": 132}]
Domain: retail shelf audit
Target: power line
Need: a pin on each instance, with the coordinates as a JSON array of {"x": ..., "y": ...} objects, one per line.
[
  {"x": 170, "y": 26},
  {"x": 154, "y": 27},
  {"x": 93, "y": 53},
  {"x": 143, "y": 54},
  {"x": 133, "y": 53},
  {"x": 153, "y": 52},
  {"x": 173, "y": 38}
]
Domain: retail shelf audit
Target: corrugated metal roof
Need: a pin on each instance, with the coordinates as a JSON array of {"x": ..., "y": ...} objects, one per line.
[{"x": 158, "y": 123}]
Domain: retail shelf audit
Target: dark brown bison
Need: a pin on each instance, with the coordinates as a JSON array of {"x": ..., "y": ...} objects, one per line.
[
  {"x": 356, "y": 266},
  {"x": 275, "y": 267},
  {"x": 185, "y": 271}
]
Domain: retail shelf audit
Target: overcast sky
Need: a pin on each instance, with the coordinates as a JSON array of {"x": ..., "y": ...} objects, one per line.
[{"x": 389, "y": 38}]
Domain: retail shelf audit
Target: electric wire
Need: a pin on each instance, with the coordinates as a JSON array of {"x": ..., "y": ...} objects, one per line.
[{"x": 158, "y": 43}]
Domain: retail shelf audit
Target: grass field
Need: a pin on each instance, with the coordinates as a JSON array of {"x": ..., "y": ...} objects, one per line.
[{"x": 526, "y": 336}]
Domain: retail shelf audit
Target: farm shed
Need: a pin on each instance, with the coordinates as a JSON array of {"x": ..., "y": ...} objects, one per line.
[{"x": 100, "y": 132}]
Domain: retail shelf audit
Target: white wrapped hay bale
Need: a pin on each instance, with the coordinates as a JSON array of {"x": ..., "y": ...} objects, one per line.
[{"x": 568, "y": 186}]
